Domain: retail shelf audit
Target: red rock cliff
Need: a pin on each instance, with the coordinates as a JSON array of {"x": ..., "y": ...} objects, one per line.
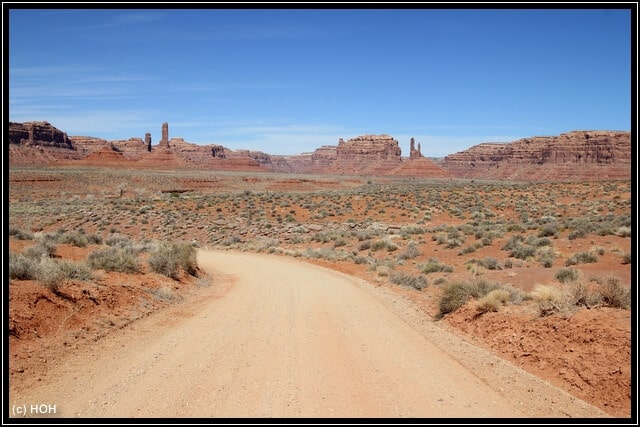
[{"x": 572, "y": 155}]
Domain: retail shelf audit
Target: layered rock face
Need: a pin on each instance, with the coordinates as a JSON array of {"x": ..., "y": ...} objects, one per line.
[
  {"x": 367, "y": 154},
  {"x": 38, "y": 133},
  {"x": 569, "y": 156},
  {"x": 572, "y": 155}
]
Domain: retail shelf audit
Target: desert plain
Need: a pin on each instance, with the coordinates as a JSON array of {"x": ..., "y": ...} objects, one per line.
[{"x": 536, "y": 274}]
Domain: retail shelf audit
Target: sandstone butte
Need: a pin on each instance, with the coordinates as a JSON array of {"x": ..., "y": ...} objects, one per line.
[{"x": 577, "y": 155}]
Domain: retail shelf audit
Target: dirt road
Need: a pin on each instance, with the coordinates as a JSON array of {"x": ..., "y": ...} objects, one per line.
[{"x": 278, "y": 337}]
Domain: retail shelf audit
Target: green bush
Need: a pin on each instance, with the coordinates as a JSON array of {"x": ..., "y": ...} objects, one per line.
[{"x": 115, "y": 258}]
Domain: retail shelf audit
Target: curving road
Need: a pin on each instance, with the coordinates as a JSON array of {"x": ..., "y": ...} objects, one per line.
[{"x": 278, "y": 337}]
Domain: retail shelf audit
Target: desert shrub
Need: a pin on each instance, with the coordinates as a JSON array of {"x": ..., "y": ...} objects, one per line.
[
  {"x": 76, "y": 270},
  {"x": 411, "y": 252},
  {"x": 565, "y": 275},
  {"x": 384, "y": 244},
  {"x": 44, "y": 249},
  {"x": 626, "y": 258},
  {"x": 115, "y": 258},
  {"x": 364, "y": 245},
  {"x": 433, "y": 266},
  {"x": 340, "y": 241},
  {"x": 546, "y": 259},
  {"x": 50, "y": 274},
  {"x": 382, "y": 270},
  {"x": 169, "y": 258},
  {"x": 548, "y": 230},
  {"x": 493, "y": 301},
  {"x": 22, "y": 267},
  {"x": 230, "y": 240},
  {"x": 508, "y": 263},
  {"x": 482, "y": 288},
  {"x": 378, "y": 245},
  {"x": 94, "y": 239},
  {"x": 471, "y": 248},
  {"x": 577, "y": 233},
  {"x": 582, "y": 258},
  {"x": 456, "y": 294},
  {"x": 164, "y": 293},
  {"x": 623, "y": 231},
  {"x": 330, "y": 254},
  {"x": 513, "y": 242},
  {"x": 74, "y": 238},
  {"x": 362, "y": 260},
  {"x": 439, "y": 237},
  {"x": 614, "y": 294},
  {"x": 412, "y": 229},
  {"x": 490, "y": 263},
  {"x": 409, "y": 281},
  {"x": 542, "y": 241},
  {"x": 117, "y": 240},
  {"x": 20, "y": 234},
  {"x": 523, "y": 252},
  {"x": 549, "y": 300},
  {"x": 266, "y": 244}
]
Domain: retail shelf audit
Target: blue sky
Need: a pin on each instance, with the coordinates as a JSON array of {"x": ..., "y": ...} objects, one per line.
[{"x": 286, "y": 81}]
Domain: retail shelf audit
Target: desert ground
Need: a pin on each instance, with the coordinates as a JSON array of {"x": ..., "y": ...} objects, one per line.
[{"x": 534, "y": 277}]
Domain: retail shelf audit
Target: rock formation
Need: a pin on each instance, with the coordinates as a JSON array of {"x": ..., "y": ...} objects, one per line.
[
  {"x": 572, "y": 155},
  {"x": 413, "y": 152},
  {"x": 164, "y": 142},
  {"x": 367, "y": 154},
  {"x": 569, "y": 156},
  {"x": 38, "y": 133}
]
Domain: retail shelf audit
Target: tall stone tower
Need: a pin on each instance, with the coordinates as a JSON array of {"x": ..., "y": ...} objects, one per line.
[
  {"x": 147, "y": 141},
  {"x": 413, "y": 153},
  {"x": 164, "y": 142}
]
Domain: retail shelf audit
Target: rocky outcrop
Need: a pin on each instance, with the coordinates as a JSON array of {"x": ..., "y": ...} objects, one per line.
[
  {"x": 164, "y": 142},
  {"x": 38, "y": 133},
  {"x": 414, "y": 153},
  {"x": 87, "y": 144},
  {"x": 569, "y": 156},
  {"x": 572, "y": 155},
  {"x": 363, "y": 155}
]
